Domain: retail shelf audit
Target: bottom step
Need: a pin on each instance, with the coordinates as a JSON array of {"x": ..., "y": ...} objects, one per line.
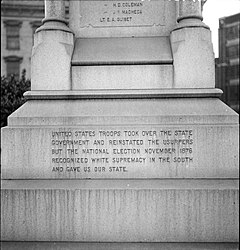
[
  {"x": 116, "y": 246},
  {"x": 194, "y": 210}
]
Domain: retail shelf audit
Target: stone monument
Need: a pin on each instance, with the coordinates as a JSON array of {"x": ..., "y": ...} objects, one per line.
[{"x": 123, "y": 137}]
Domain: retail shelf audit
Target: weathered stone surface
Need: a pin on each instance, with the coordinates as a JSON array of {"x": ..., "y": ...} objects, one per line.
[
  {"x": 122, "y": 19},
  {"x": 130, "y": 139},
  {"x": 189, "y": 9},
  {"x": 116, "y": 246},
  {"x": 55, "y": 9},
  {"x": 115, "y": 51},
  {"x": 51, "y": 60},
  {"x": 122, "y": 77},
  {"x": 101, "y": 94},
  {"x": 119, "y": 111},
  {"x": 193, "y": 58},
  {"x": 120, "y": 210},
  {"x": 183, "y": 186},
  {"x": 150, "y": 151}
]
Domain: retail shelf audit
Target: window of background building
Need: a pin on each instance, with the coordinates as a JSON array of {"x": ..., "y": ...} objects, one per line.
[
  {"x": 233, "y": 32},
  {"x": 233, "y": 94},
  {"x": 35, "y": 25},
  {"x": 13, "y": 65},
  {"x": 233, "y": 72},
  {"x": 12, "y": 34},
  {"x": 233, "y": 52}
]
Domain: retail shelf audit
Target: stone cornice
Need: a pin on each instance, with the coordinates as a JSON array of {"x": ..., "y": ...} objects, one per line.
[
  {"x": 9, "y": 10},
  {"x": 20, "y": 10},
  {"x": 13, "y": 59},
  {"x": 12, "y": 23}
]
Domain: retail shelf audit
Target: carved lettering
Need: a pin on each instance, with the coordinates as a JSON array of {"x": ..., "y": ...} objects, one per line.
[
  {"x": 122, "y": 13},
  {"x": 122, "y": 150}
]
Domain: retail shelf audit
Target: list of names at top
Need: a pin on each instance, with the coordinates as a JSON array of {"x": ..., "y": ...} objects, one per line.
[{"x": 121, "y": 13}]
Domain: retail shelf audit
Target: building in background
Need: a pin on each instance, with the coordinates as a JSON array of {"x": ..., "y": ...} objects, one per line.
[
  {"x": 19, "y": 20},
  {"x": 227, "y": 65}
]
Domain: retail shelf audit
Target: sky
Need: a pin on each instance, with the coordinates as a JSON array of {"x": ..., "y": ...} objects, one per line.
[{"x": 215, "y": 9}]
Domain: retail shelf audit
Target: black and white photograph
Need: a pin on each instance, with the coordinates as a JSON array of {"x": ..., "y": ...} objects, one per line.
[{"x": 120, "y": 124}]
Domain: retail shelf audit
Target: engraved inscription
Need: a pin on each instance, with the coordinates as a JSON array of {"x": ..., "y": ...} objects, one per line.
[
  {"x": 120, "y": 150},
  {"x": 122, "y": 13}
]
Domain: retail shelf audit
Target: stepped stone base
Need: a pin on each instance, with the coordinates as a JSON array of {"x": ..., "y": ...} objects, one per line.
[
  {"x": 120, "y": 210},
  {"x": 36, "y": 141},
  {"x": 116, "y": 246},
  {"x": 153, "y": 201}
]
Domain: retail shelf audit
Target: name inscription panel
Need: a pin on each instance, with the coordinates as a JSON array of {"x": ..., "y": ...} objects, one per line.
[
  {"x": 92, "y": 152},
  {"x": 121, "y": 13}
]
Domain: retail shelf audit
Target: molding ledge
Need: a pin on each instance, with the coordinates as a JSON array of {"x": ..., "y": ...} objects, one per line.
[{"x": 122, "y": 94}]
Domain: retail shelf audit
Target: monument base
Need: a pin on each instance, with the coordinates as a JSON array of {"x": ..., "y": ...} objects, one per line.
[
  {"x": 160, "y": 200},
  {"x": 177, "y": 137}
]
